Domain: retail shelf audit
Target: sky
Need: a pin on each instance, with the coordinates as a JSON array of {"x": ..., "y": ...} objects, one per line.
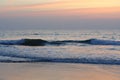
[{"x": 59, "y": 14}]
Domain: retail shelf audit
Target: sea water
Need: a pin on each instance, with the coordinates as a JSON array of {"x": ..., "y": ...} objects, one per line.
[{"x": 60, "y": 46}]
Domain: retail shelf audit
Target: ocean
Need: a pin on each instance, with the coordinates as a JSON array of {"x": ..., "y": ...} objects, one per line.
[
  {"x": 59, "y": 55},
  {"x": 60, "y": 46}
]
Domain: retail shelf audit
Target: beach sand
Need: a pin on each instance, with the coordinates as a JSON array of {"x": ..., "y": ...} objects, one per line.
[{"x": 58, "y": 71}]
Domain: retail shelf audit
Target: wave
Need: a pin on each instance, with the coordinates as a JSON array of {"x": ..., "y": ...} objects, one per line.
[
  {"x": 29, "y": 57},
  {"x": 23, "y": 59},
  {"x": 40, "y": 42},
  {"x": 22, "y": 54},
  {"x": 25, "y": 42}
]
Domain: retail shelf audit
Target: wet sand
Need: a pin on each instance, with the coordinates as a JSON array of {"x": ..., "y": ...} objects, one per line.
[{"x": 58, "y": 71}]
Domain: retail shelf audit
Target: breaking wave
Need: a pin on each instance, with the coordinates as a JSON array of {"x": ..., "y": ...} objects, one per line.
[
  {"x": 33, "y": 59},
  {"x": 18, "y": 54},
  {"x": 40, "y": 42}
]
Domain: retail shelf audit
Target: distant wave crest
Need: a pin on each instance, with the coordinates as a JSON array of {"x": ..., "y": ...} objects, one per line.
[{"x": 40, "y": 42}]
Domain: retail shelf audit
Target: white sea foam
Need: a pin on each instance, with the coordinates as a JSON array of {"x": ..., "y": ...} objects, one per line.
[
  {"x": 53, "y": 54},
  {"x": 104, "y": 42}
]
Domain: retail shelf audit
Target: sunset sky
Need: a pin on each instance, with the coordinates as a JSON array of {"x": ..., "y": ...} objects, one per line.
[{"x": 59, "y": 14}]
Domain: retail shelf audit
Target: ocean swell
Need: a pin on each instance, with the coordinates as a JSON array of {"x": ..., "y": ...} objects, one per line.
[{"x": 40, "y": 42}]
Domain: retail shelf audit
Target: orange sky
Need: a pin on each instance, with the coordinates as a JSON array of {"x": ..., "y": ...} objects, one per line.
[
  {"x": 51, "y": 14},
  {"x": 93, "y": 8}
]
